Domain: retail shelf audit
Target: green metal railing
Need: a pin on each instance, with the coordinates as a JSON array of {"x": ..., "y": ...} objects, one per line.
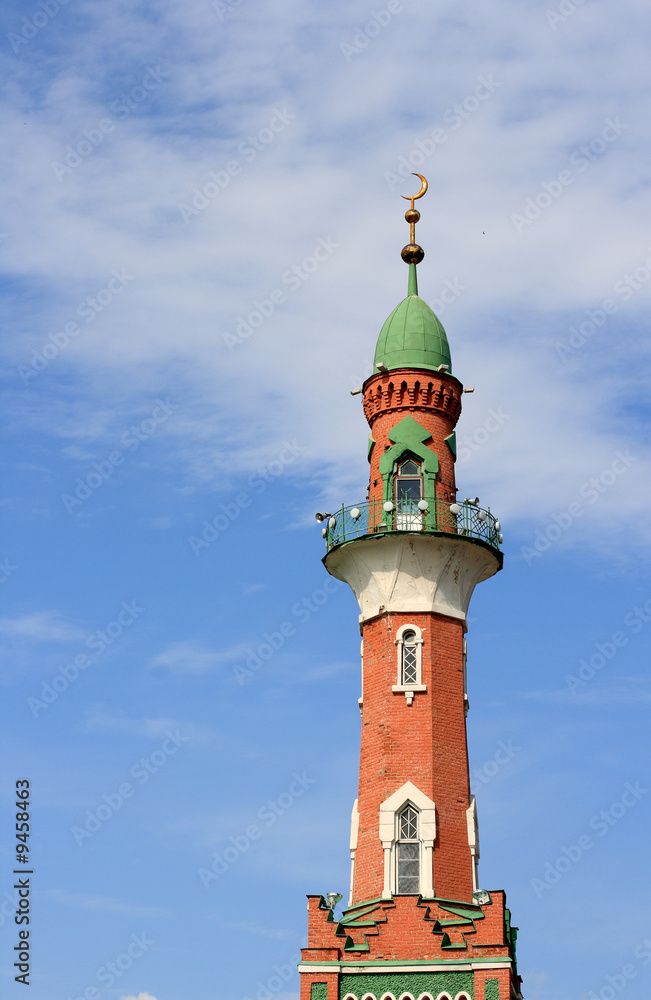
[{"x": 431, "y": 514}]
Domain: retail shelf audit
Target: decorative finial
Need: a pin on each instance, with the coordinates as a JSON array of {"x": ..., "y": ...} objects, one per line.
[{"x": 412, "y": 253}]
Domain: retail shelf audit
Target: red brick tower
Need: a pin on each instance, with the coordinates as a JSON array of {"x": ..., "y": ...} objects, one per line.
[{"x": 417, "y": 926}]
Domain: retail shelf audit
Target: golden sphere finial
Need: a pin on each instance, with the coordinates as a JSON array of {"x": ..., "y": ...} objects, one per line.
[{"x": 412, "y": 253}]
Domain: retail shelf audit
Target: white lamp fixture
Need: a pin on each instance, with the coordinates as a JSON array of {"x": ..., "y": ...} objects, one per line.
[
  {"x": 443, "y": 368},
  {"x": 388, "y": 506},
  {"x": 381, "y": 367},
  {"x": 355, "y": 513},
  {"x": 355, "y": 392}
]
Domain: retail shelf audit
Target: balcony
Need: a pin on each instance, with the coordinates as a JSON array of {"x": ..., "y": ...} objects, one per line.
[{"x": 431, "y": 515}]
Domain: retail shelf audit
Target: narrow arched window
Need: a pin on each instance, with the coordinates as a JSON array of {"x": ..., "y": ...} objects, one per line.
[
  {"x": 409, "y": 672},
  {"x": 408, "y": 852}
]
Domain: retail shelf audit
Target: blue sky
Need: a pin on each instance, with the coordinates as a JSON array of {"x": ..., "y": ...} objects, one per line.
[{"x": 200, "y": 243}]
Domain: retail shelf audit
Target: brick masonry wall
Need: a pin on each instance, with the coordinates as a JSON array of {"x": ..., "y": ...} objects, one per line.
[
  {"x": 433, "y": 400},
  {"x": 424, "y": 743}
]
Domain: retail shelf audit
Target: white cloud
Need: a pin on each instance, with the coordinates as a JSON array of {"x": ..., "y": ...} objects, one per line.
[
  {"x": 41, "y": 626},
  {"x": 192, "y": 282},
  {"x": 103, "y": 904},
  {"x": 141, "y": 996},
  {"x": 191, "y": 658}
]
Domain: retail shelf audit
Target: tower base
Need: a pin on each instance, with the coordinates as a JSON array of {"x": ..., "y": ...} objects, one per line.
[{"x": 426, "y": 949}]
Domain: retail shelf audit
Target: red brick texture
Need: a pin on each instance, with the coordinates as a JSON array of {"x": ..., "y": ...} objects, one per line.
[
  {"x": 400, "y": 929},
  {"x": 433, "y": 400},
  {"x": 424, "y": 743}
]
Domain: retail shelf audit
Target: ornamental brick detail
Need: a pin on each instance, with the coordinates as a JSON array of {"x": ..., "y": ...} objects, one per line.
[{"x": 409, "y": 389}]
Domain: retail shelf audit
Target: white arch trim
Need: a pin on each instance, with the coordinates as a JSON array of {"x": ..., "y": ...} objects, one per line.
[{"x": 427, "y": 832}]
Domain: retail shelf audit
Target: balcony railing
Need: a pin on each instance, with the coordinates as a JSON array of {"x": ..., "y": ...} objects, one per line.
[{"x": 429, "y": 515}]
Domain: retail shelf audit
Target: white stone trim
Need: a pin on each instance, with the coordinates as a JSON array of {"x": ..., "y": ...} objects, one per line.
[
  {"x": 473, "y": 840},
  {"x": 409, "y": 690},
  {"x": 381, "y": 969},
  {"x": 388, "y": 831},
  {"x": 412, "y": 573},
  {"x": 354, "y": 833}
]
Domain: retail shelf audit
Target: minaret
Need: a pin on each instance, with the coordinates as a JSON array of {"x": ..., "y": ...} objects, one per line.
[{"x": 412, "y": 553}]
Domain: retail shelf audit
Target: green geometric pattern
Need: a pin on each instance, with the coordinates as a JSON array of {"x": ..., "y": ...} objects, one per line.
[
  {"x": 409, "y": 436},
  {"x": 320, "y": 991},
  {"x": 492, "y": 989},
  {"x": 398, "y": 983}
]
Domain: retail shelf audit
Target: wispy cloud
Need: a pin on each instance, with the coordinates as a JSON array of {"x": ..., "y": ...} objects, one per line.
[
  {"x": 103, "y": 904},
  {"x": 102, "y": 720},
  {"x": 272, "y": 933},
  {"x": 541, "y": 280},
  {"x": 189, "y": 657},
  {"x": 41, "y": 626},
  {"x": 627, "y": 691}
]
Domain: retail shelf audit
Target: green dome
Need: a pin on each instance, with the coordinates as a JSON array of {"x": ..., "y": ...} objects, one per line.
[{"x": 412, "y": 336}]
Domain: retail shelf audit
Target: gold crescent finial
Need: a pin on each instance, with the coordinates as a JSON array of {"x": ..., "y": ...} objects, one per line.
[
  {"x": 423, "y": 190},
  {"x": 413, "y": 254}
]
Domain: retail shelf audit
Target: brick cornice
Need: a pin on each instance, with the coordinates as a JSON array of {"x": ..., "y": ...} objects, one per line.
[{"x": 409, "y": 389}]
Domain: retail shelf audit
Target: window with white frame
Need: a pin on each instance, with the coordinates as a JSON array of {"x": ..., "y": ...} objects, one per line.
[
  {"x": 409, "y": 666},
  {"x": 409, "y": 643},
  {"x": 407, "y": 831},
  {"x": 408, "y": 852}
]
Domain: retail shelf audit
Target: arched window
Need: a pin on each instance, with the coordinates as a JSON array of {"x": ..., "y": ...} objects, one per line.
[
  {"x": 408, "y": 852},
  {"x": 409, "y": 672},
  {"x": 409, "y": 641},
  {"x": 408, "y": 490}
]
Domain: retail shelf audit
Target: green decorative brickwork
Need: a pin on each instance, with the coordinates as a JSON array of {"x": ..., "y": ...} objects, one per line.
[
  {"x": 409, "y": 439},
  {"x": 415, "y": 983},
  {"x": 320, "y": 991},
  {"x": 492, "y": 989}
]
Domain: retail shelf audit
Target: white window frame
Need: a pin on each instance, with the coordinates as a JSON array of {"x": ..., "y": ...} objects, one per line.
[
  {"x": 390, "y": 809},
  {"x": 409, "y": 690}
]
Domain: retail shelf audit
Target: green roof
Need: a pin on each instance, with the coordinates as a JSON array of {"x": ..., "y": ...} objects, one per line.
[{"x": 412, "y": 336}]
